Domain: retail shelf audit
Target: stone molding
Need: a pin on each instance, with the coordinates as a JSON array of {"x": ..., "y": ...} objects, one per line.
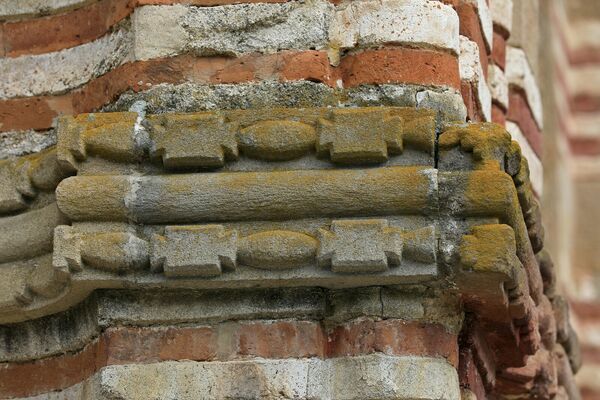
[{"x": 281, "y": 198}]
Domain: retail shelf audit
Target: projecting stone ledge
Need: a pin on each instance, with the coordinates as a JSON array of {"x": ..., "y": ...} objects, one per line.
[{"x": 295, "y": 198}]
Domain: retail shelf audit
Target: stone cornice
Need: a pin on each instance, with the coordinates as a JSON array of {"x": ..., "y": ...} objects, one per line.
[{"x": 333, "y": 198}]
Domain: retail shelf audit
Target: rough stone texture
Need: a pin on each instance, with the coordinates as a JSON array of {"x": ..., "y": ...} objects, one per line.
[
  {"x": 266, "y": 28},
  {"x": 372, "y": 23},
  {"x": 366, "y": 377},
  {"x": 63, "y": 70},
  {"x": 470, "y": 71},
  {"x": 195, "y": 251},
  {"x": 193, "y": 97},
  {"x": 151, "y": 42},
  {"x": 381, "y": 66},
  {"x": 189, "y": 97},
  {"x": 18, "y": 143},
  {"x": 519, "y": 74},
  {"x": 11, "y": 9},
  {"x": 242, "y": 29},
  {"x": 444, "y": 211}
]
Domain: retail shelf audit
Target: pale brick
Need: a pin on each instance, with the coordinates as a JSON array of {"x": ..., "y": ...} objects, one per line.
[
  {"x": 470, "y": 71},
  {"x": 520, "y": 74},
  {"x": 372, "y": 23}
]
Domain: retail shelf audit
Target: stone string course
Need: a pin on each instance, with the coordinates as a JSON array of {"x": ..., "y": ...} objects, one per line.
[{"x": 241, "y": 199}]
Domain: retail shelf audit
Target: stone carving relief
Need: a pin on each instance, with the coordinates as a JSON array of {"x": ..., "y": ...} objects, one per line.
[{"x": 330, "y": 198}]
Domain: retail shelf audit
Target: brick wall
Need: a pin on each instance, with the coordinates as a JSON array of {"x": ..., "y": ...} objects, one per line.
[{"x": 572, "y": 166}]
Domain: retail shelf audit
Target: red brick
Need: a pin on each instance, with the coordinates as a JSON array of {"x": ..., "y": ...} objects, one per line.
[
  {"x": 57, "y": 32},
  {"x": 498, "y": 114},
  {"x": 281, "y": 339},
  {"x": 584, "y": 103},
  {"x": 471, "y": 28},
  {"x": 400, "y": 65},
  {"x": 474, "y": 113},
  {"x": 499, "y": 50},
  {"x": 127, "y": 345},
  {"x": 520, "y": 113},
  {"x": 387, "y": 65},
  {"x": 27, "y": 379},
  {"x": 469, "y": 375},
  {"x": 394, "y": 337}
]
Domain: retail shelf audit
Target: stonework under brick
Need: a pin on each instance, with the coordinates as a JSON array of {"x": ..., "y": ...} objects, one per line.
[
  {"x": 225, "y": 199},
  {"x": 222, "y": 200}
]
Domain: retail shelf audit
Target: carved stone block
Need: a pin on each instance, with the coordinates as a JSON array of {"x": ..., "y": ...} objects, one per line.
[
  {"x": 360, "y": 246},
  {"x": 192, "y": 140},
  {"x": 202, "y": 251},
  {"x": 364, "y": 136},
  {"x": 110, "y": 135},
  {"x": 277, "y": 140},
  {"x": 277, "y": 249}
]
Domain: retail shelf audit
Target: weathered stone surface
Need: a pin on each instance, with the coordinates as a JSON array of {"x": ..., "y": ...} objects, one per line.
[
  {"x": 277, "y": 249},
  {"x": 360, "y": 246},
  {"x": 536, "y": 171},
  {"x": 19, "y": 143},
  {"x": 247, "y": 195},
  {"x": 363, "y": 377},
  {"x": 283, "y": 215},
  {"x": 49, "y": 73},
  {"x": 210, "y": 139},
  {"x": 194, "y": 250},
  {"x": 29, "y": 234},
  {"x": 110, "y": 135},
  {"x": 471, "y": 71},
  {"x": 370, "y": 23},
  {"x": 192, "y": 140},
  {"x": 490, "y": 250},
  {"x": 277, "y": 140},
  {"x": 189, "y": 97},
  {"x": 235, "y": 29},
  {"x": 350, "y": 137},
  {"x": 19, "y": 8},
  {"x": 153, "y": 43}
]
